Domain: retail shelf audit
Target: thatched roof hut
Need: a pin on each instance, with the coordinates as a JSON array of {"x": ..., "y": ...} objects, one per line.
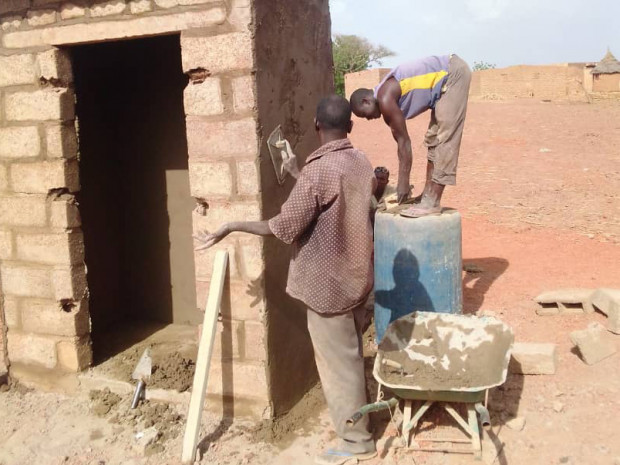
[{"x": 608, "y": 65}]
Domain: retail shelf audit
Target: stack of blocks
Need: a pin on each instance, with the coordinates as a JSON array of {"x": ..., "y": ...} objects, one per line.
[{"x": 45, "y": 320}]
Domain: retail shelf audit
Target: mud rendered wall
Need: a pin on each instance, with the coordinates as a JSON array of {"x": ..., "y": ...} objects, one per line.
[
  {"x": 368, "y": 79},
  {"x": 294, "y": 70},
  {"x": 606, "y": 82}
]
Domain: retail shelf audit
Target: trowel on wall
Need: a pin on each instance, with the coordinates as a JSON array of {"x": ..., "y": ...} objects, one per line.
[
  {"x": 142, "y": 373},
  {"x": 279, "y": 152}
]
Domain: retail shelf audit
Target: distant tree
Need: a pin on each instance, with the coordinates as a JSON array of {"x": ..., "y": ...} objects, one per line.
[
  {"x": 481, "y": 65},
  {"x": 353, "y": 53}
]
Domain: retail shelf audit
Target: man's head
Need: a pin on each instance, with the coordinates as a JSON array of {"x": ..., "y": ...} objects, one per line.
[
  {"x": 382, "y": 175},
  {"x": 364, "y": 104},
  {"x": 333, "y": 117}
]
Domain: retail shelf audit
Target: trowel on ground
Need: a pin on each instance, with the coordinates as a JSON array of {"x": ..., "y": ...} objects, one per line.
[
  {"x": 142, "y": 373},
  {"x": 279, "y": 152}
]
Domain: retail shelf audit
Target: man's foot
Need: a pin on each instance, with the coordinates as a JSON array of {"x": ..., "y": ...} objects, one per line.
[
  {"x": 341, "y": 457},
  {"x": 418, "y": 212}
]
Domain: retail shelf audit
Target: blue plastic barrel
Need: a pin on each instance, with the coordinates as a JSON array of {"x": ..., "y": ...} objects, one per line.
[{"x": 418, "y": 263}]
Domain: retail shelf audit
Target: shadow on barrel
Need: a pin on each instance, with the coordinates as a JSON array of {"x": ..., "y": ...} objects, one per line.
[{"x": 408, "y": 293}]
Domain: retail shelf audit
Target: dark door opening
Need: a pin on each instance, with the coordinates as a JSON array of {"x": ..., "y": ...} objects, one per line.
[{"x": 135, "y": 200}]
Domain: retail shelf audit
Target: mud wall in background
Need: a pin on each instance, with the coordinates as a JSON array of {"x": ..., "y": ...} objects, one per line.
[{"x": 294, "y": 70}]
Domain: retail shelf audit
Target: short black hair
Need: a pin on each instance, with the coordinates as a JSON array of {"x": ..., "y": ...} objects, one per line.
[
  {"x": 334, "y": 112},
  {"x": 358, "y": 95},
  {"x": 382, "y": 169}
]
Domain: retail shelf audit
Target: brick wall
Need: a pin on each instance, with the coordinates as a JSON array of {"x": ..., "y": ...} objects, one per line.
[
  {"x": 42, "y": 272},
  {"x": 552, "y": 82}
]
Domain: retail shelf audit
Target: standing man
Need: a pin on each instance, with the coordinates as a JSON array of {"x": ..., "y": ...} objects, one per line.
[
  {"x": 440, "y": 83},
  {"x": 327, "y": 220}
]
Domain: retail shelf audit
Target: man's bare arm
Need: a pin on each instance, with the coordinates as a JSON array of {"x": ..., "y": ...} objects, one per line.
[
  {"x": 258, "y": 228},
  {"x": 395, "y": 119}
]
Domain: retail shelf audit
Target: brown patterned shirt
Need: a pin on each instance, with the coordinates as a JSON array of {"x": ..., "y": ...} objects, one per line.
[{"x": 326, "y": 218}]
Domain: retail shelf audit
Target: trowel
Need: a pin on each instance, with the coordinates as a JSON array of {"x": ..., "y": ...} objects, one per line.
[
  {"x": 279, "y": 152},
  {"x": 142, "y": 373}
]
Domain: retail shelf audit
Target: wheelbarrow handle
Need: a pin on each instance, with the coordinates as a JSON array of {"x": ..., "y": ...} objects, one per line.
[{"x": 374, "y": 407}]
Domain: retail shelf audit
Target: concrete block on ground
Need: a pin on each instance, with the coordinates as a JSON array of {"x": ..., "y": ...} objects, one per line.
[
  {"x": 20, "y": 280},
  {"x": 569, "y": 300},
  {"x": 209, "y": 139},
  {"x": 19, "y": 142},
  {"x": 594, "y": 343},
  {"x": 604, "y": 299},
  {"x": 55, "y": 65},
  {"x": 75, "y": 354},
  {"x": 23, "y": 210},
  {"x": 206, "y": 52},
  {"x": 41, "y": 105},
  {"x": 31, "y": 349},
  {"x": 533, "y": 358},
  {"x": 55, "y": 318}
]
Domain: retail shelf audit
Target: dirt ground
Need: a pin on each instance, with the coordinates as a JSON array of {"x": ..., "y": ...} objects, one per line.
[{"x": 539, "y": 192}]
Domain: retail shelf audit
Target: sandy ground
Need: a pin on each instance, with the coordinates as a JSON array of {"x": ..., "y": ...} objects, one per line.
[{"x": 539, "y": 191}]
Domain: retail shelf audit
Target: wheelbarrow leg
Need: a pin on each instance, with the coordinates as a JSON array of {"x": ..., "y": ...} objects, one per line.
[
  {"x": 410, "y": 423},
  {"x": 475, "y": 437},
  {"x": 406, "y": 421}
]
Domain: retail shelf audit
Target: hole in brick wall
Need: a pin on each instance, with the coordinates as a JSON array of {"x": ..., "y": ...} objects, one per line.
[
  {"x": 135, "y": 201},
  {"x": 198, "y": 75},
  {"x": 67, "y": 305}
]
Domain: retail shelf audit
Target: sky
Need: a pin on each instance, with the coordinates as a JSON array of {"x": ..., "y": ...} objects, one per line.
[{"x": 501, "y": 32}]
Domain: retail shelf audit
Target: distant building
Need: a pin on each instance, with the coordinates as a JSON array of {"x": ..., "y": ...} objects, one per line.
[{"x": 605, "y": 76}]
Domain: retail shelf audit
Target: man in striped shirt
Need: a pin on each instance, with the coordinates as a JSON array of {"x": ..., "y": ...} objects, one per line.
[{"x": 439, "y": 83}]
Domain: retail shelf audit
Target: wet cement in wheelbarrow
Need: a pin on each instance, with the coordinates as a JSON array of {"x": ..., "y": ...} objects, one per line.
[{"x": 446, "y": 355}]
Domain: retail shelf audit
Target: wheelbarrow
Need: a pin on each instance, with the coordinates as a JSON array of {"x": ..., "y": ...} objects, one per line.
[{"x": 428, "y": 358}]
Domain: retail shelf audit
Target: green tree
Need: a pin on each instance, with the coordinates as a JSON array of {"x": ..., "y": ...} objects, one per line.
[
  {"x": 353, "y": 53},
  {"x": 482, "y": 65}
]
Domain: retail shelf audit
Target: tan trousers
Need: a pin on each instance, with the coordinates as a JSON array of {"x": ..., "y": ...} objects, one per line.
[
  {"x": 337, "y": 342},
  {"x": 445, "y": 130}
]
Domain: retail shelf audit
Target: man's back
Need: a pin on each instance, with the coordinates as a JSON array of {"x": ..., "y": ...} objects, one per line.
[{"x": 331, "y": 266}]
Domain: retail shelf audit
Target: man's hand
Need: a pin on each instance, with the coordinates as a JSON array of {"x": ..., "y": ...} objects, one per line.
[
  {"x": 289, "y": 161},
  {"x": 403, "y": 190},
  {"x": 207, "y": 240}
]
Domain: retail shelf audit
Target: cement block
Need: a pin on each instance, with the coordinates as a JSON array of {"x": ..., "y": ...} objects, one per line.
[
  {"x": 208, "y": 139},
  {"x": 238, "y": 379},
  {"x": 247, "y": 178},
  {"x": 12, "y": 317},
  {"x": 55, "y": 65},
  {"x": 64, "y": 214},
  {"x": 51, "y": 248},
  {"x": 7, "y": 6},
  {"x": 568, "y": 296},
  {"x": 38, "y": 18},
  {"x": 140, "y": 6},
  {"x": 61, "y": 141},
  {"x": 204, "y": 98},
  {"x": 69, "y": 283},
  {"x": 228, "y": 340},
  {"x": 254, "y": 341},
  {"x": 114, "y": 7},
  {"x": 218, "y": 54},
  {"x": 19, "y": 142},
  {"x": 593, "y": 343},
  {"x": 240, "y": 16},
  {"x": 8, "y": 23},
  {"x": 75, "y": 354},
  {"x": 207, "y": 179},
  {"x": 606, "y": 299},
  {"x": 20, "y": 280},
  {"x": 4, "y": 178},
  {"x": 49, "y": 317},
  {"x": 71, "y": 11},
  {"x": 204, "y": 259},
  {"x": 16, "y": 70},
  {"x": 41, "y": 177},
  {"x": 223, "y": 212},
  {"x": 31, "y": 349},
  {"x": 6, "y": 245},
  {"x": 41, "y": 105},
  {"x": 244, "y": 98},
  {"x": 533, "y": 359},
  {"x": 252, "y": 259},
  {"x": 116, "y": 30},
  {"x": 23, "y": 210}
]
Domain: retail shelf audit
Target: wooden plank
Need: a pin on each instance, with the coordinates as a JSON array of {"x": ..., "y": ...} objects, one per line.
[{"x": 201, "y": 376}]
